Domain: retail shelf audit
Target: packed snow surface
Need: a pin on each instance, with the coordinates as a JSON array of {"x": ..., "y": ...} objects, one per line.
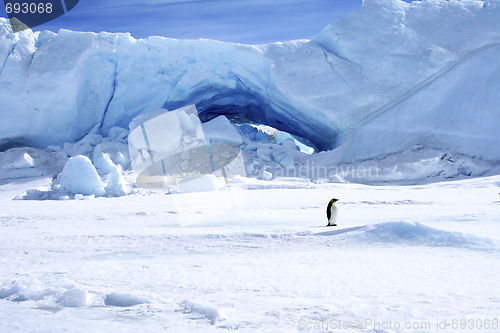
[{"x": 411, "y": 255}]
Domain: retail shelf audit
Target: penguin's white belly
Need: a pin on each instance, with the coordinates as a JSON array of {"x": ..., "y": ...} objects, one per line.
[{"x": 334, "y": 211}]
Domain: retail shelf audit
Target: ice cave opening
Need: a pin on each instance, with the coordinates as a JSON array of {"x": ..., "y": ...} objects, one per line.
[
  {"x": 244, "y": 104},
  {"x": 255, "y": 116}
]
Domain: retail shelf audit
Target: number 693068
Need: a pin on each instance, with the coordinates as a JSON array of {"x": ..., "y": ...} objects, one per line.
[{"x": 31, "y": 8}]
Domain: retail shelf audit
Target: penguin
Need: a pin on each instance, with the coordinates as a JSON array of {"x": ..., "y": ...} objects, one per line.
[{"x": 331, "y": 212}]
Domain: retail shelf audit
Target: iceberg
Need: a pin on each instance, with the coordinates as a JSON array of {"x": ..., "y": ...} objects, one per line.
[{"x": 387, "y": 77}]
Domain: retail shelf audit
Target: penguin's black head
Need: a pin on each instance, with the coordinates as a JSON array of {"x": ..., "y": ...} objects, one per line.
[{"x": 334, "y": 200}]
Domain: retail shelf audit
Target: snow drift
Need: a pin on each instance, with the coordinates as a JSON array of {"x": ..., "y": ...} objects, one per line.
[
  {"x": 65, "y": 294},
  {"x": 415, "y": 233}
]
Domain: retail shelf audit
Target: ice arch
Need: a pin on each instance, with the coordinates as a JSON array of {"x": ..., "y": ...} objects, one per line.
[
  {"x": 241, "y": 106},
  {"x": 55, "y": 88}
]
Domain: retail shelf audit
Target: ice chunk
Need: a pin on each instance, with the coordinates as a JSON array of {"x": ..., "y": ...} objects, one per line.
[
  {"x": 80, "y": 177},
  {"x": 14, "y": 289},
  {"x": 279, "y": 154},
  {"x": 92, "y": 139},
  {"x": 144, "y": 117},
  {"x": 283, "y": 137},
  {"x": 164, "y": 133},
  {"x": 160, "y": 135},
  {"x": 103, "y": 162},
  {"x": 264, "y": 154},
  {"x": 17, "y": 162},
  {"x": 109, "y": 154},
  {"x": 206, "y": 311},
  {"x": 80, "y": 149},
  {"x": 248, "y": 131},
  {"x": 289, "y": 142},
  {"x": 250, "y": 147},
  {"x": 266, "y": 175},
  {"x": 287, "y": 161},
  {"x": 199, "y": 132},
  {"x": 124, "y": 299},
  {"x": 220, "y": 129},
  {"x": 262, "y": 137},
  {"x": 116, "y": 185},
  {"x": 23, "y": 289},
  {"x": 28, "y": 162},
  {"x": 118, "y": 134},
  {"x": 374, "y": 89},
  {"x": 186, "y": 155},
  {"x": 194, "y": 119},
  {"x": 75, "y": 297},
  {"x": 185, "y": 121}
]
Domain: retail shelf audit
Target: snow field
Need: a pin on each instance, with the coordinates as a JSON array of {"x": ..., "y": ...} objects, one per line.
[{"x": 416, "y": 253}]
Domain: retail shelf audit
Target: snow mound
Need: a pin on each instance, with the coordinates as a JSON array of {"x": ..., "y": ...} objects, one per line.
[
  {"x": 62, "y": 293},
  {"x": 80, "y": 177},
  {"x": 205, "y": 311},
  {"x": 415, "y": 233},
  {"x": 124, "y": 299},
  {"x": 75, "y": 297},
  {"x": 18, "y": 290},
  {"x": 116, "y": 185}
]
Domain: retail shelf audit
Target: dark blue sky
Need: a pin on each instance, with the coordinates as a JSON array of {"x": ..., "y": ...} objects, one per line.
[{"x": 241, "y": 21}]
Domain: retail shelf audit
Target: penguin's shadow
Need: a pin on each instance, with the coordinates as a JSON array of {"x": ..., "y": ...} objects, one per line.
[{"x": 340, "y": 231}]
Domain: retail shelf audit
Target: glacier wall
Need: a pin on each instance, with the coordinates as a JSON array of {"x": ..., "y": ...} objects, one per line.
[
  {"x": 429, "y": 76},
  {"x": 387, "y": 76},
  {"x": 54, "y": 88}
]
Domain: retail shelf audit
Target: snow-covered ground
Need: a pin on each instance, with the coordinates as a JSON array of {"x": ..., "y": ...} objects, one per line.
[{"x": 407, "y": 255}]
